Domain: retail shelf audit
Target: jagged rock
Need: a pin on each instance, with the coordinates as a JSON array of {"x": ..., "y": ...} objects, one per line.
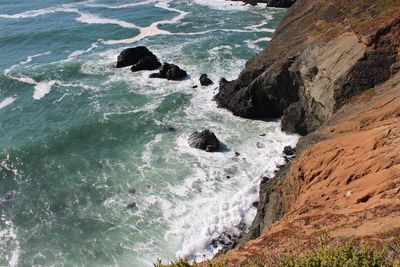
[
  {"x": 170, "y": 72},
  {"x": 280, "y": 3},
  {"x": 146, "y": 63},
  {"x": 237, "y": 154},
  {"x": 271, "y": 3},
  {"x": 204, "y": 80},
  {"x": 222, "y": 81},
  {"x": 138, "y": 55},
  {"x": 204, "y": 140},
  {"x": 305, "y": 80},
  {"x": 289, "y": 151}
]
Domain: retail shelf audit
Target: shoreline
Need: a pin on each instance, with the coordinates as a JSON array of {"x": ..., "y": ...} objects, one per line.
[{"x": 288, "y": 86}]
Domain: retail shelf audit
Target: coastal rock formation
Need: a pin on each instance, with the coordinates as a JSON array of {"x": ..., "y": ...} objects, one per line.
[
  {"x": 345, "y": 181},
  {"x": 140, "y": 57},
  {"x": 170, "y": 72},
  {"x": 204, "y": 80},
  {"x": 270, "y": 3},
  {"x": 146, "y": 63},
  {"x": 204, "y": 140},
  {"x": 320, "y": 56},
  {"x": 332, "y": 72}
]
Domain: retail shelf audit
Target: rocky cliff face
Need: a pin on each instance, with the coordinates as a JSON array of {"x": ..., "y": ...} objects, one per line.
[
  {"x": 332, "y": 73},
  {"x": 345, "y": 181},
  {"x": 323, "y": 53}
]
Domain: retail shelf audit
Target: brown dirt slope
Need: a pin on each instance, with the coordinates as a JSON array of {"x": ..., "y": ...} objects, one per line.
[{"x": 345, "y": 181}]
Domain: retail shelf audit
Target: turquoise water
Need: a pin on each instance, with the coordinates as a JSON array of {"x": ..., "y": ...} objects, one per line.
[{"x": 80, "y": 140}]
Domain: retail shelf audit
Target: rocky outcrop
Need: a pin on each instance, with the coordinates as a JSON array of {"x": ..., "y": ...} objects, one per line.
[
  {"x": 345, "y": 181},
  {"x": 204, "y": 80},
  {"x": 270, "y": 3},
  {"x": 204, "y": 140},
  {"x": 146, "y": 63},
  {"x": 321, "y": 55},
  {"x": 332, "y": 72},
  {"x": 140, "y": 57},
  {"x": 170, "y": 72}
]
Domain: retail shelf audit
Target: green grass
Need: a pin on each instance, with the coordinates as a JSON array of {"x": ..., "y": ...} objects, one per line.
[{"x": 348, "y": 254}]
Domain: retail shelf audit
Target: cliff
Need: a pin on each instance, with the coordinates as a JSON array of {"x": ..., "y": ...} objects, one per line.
[
  {"x": 323, "y": 53},
  {"x": 331, "y": 72}
]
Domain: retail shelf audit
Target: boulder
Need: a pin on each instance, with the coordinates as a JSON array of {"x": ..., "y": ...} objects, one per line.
[
  {"x": 204, "y": 140},
  {"x": 271, "y": 3},
  {"x": 289, "y": 151},
  {"x": 138, "y": 55},
  {"x": 205, "y": 81},
  {"x": 170, "y": 72},
  {"x": 222, "y": 81},
  {"x": 146, "y": 63}
]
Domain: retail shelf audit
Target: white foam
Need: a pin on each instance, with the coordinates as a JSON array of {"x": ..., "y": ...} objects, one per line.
[
  {"x": 222, "y": 4},
  {"x": 9, "y": 244},
  {"x": 81, "y": 52},
  {"x": 7, "y": 101},
  {"x": 33, "y": 13},
  {"x": 120, "y": 6},
  {"x": 95, "y": 19},
  {"x": 152, "y": 29},
  {"x": 42, "y": 88},
  {"x": 24, "y": 62}
]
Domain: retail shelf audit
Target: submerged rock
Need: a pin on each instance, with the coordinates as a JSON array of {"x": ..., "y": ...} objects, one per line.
[
  {"x": 170, "y": 72},
  {"x": 260, "y": 145},
  {"x": 141, "y": 57},
  {"x": 132, "y": 205},
  {"x": 9, "y": 195},
  {"x": 205, "y": 81},
  {"x": 204, "y": 140}
]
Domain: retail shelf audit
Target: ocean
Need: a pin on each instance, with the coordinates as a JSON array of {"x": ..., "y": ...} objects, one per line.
[{"x": 95, "y": 168}]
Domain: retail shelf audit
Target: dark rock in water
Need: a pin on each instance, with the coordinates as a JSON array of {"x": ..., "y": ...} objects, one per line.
[
  {"x": 222, "y": 81},
  {"x": 265, "y": 179},
  {"x": 132, "y": 191},
  {"x": 194, "y": 86},
  {"x": 255, "y": 204},
  {"x": 155, "y": 75},
  {"x": 171, "y": 128},
  {"x": 204, "y": 140},
  {"x": 170, "y": 72},
  {"x": 146, "y": 63},
  {"x": 280, "y": 3},
  {"x": 132, "y": 56},
  {"x": 204, "y": 80},
  {"x": 237, "y": 154},
  {"x": 228, "y": 177},
  {"x": 260, "y": 145},
  {"x": 289, "y": 151},
  {"x": 271, "y": 3},
  {"x": 263, "y": 134},
  {"x": 9, "y": 195},
  {"x": 132, "y": 205}
]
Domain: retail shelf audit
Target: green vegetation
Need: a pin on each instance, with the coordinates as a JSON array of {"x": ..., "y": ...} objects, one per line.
[
  {"x": 319, "y": 28},
  {"x": 346, "y": 255}
]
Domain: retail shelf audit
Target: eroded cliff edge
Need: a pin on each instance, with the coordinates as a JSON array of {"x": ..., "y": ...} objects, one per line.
[
  {"x": 332, "y": 73},
  {"x": 323, "y": 53}
]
